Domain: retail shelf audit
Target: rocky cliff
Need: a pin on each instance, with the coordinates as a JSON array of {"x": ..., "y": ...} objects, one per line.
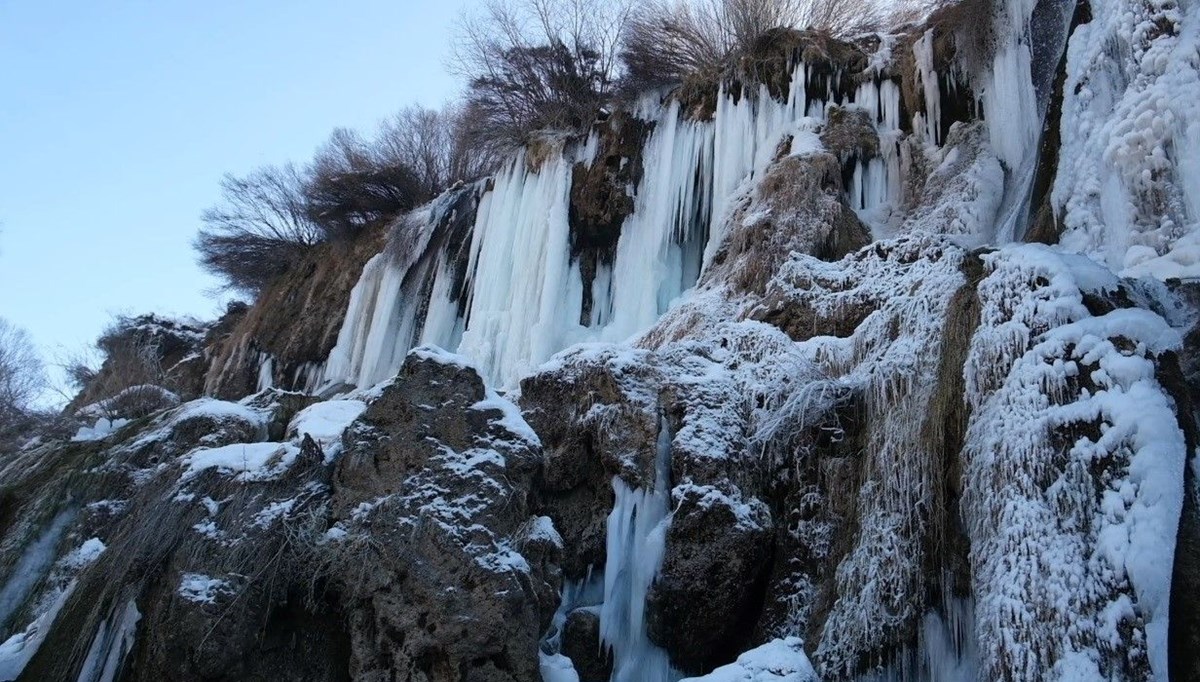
[{"x": 761, "y": 379}]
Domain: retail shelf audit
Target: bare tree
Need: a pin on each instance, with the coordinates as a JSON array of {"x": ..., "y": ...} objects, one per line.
[
  {"x": 535, "y": 64},
  {"x": 21, "y": 383},
  {"x": 667, "y": 40},
  {"x": 255, "y": 233},
  {"x": 352, "y": 184},
  {"x": 21, "y": 375},
  {"x": 431, "y": 143}
]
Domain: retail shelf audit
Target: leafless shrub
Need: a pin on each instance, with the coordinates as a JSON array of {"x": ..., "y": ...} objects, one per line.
[
  {"x": 428, "y": 142},
  {"x": 352, "y": 184},
  {"x": 537, "y": 64},
  {"x": 21, "y": 382},
  {"x": 131, "y": 380},
  {"x": 258, "y": 229},
  {"x": 668, "y": 40}
]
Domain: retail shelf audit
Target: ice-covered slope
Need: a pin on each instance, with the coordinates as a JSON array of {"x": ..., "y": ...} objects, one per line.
[{"x": 787, "y": 398}]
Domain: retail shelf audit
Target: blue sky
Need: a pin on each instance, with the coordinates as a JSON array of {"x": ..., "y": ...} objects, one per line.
[{"x": 118, "y": 118}]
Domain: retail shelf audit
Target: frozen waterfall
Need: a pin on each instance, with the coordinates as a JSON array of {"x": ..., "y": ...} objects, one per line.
[
  {"x": 521, "y": 297},
  {"x": 637, "y": 530}
]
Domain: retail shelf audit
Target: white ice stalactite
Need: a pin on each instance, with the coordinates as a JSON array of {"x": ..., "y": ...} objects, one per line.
[
  {"x": 113, "y": 641},
  {"x": 878, "y": 182},
  {"x": 637, "y": 529},
  {"x": 522, "y": 309},
  {"x": 650, "y": 269},
  {"x": 747, "y": 133},
  {"x": 929, "y": 123},
  {"x": 346, "y": 359},
  {"x": 266, "y": 372}
]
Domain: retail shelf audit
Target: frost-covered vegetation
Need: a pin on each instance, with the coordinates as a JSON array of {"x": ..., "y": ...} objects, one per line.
[{"x": 749, "y": 376}]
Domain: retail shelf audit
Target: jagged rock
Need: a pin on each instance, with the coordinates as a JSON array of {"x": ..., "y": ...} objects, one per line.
[
  {"x": 797, "y": 207},
  {"x": 432, "y": 492},
  {"x": 280, "y": 407},
  {"x": 581, "y": 643},
  {"x": 703, "y": 606},
  {"x": 849, "y": 134},
  {"x": 215, "y": 564},
  {"x": 596, "y": 420},
  {"x": 142, "y": 349}
]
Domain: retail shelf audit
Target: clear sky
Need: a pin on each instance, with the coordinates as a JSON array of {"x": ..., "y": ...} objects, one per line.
[{"x": 118, "y": 118}]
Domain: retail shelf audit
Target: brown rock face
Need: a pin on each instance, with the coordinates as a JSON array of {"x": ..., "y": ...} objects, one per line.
[
  {"x": 296, "y": 319},
  {"x": 595, "y": 421},
  {"x": 433, "y": 491},
  {"x": 600, "y": 196},
  {"x": 581, "y": 643},
  {"x": 708, "y": 595},
  {"x": 798, "y": 207}
]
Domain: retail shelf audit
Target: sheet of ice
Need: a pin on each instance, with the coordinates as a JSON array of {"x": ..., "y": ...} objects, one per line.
[
  {"x": 17, "y": 650},
  {"x": 113, "y": 641}
]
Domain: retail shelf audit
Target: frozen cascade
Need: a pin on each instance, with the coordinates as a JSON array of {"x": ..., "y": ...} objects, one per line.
[
  {"x": 585, "y": 593},
  {"x": 637, "y": 531},
  {"x": 658, "y": 253},
  {"x": 526, "y": 298},
  {"x": 524, "y": 292},
  {"x": 113, "y": 641},
  {"x": 1015, "y": 96},
  {"x": 266, "y": 372},
  {"x": 946, "y": 649}
]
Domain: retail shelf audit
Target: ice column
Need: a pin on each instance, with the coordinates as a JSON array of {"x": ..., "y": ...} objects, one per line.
[
  {"x": 526, "y": 300},
  {"x": 637, "y": 529}
]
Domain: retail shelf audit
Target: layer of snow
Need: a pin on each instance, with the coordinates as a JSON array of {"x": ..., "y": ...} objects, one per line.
[
  {"x": 245, "y": 461},
  {"x": 1067, "y": 574},
  {"x": 325, "y": 422},
  {"x": 100, "y": 430},
  {"x": 780, "y": 660}
]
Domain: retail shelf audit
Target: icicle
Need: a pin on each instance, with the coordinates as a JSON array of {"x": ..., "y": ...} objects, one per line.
[
  {"x": 931, "y": 122},
  {"x": 637, "y": 529},
  {"x": 266, "y": 369},
  {"x": 748, "y": 131},
  {"x": 520, "y": 260},
  {"x": 113, "y": 641}
]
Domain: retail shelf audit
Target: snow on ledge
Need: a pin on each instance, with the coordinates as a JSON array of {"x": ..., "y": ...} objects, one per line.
[
  {"x": 780, "y": 660},
  {"x": 201, "y": 589},
  {"x": 246, "y": 461},
  {"x": 325, "y": 422}
]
